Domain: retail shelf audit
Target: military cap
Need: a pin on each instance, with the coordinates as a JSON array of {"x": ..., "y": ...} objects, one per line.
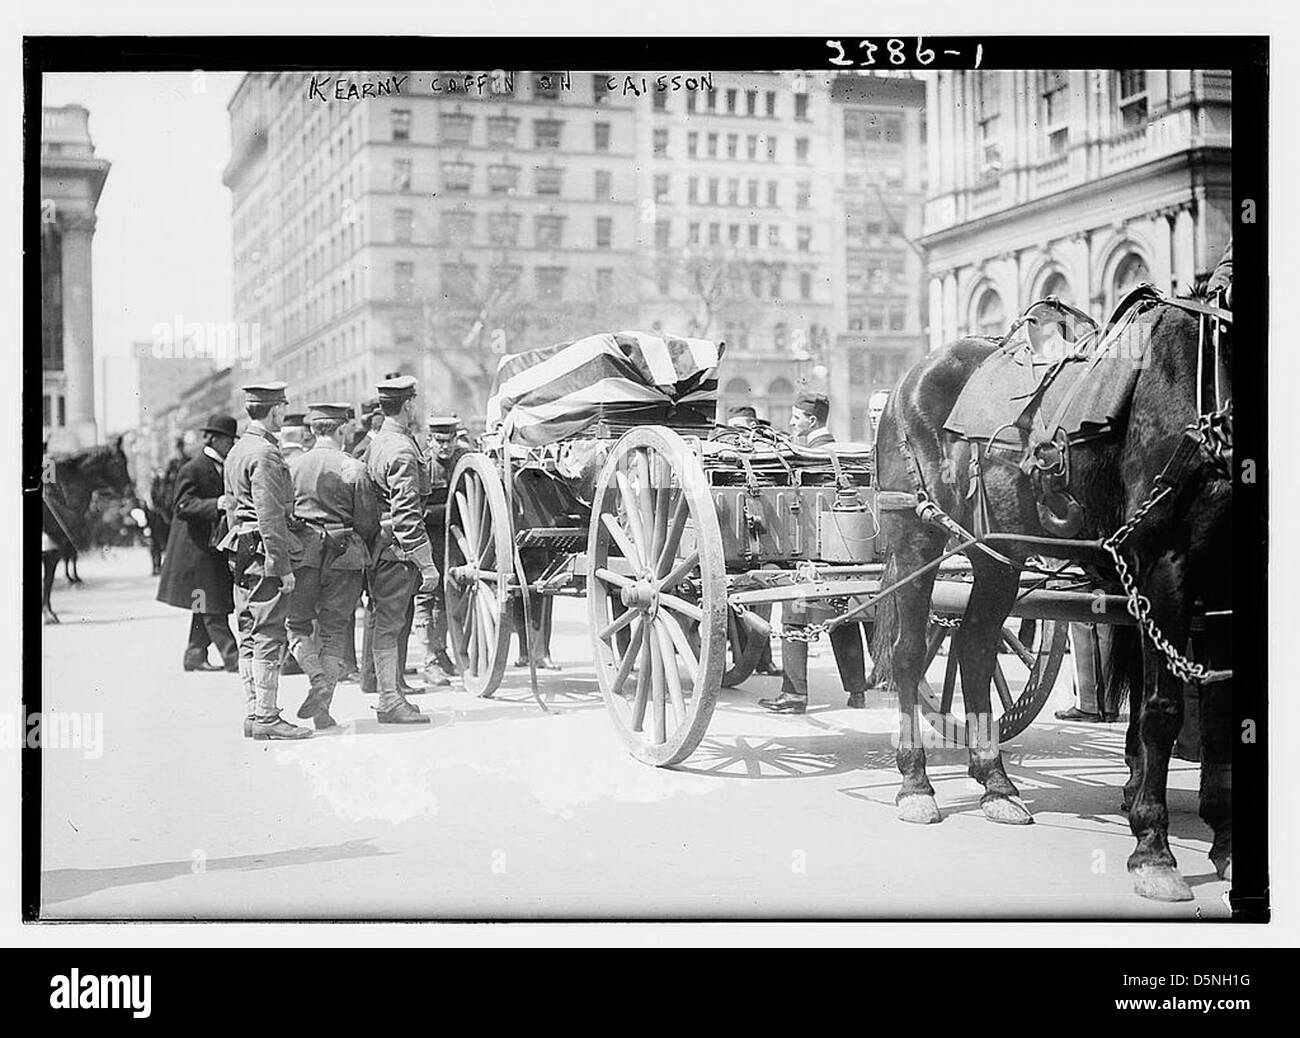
[
  {"x": 444, "y": 423},
  {"x": 295, "y": 418},
  {"x": 267, "y": 393},
  {"x": 816, "y": 404},
  {"x": 742, "y": 411},
  {"x": 399, "y": 388},
  {"x": 328, "y": 412},
  {"x": 370, "y": 406}
]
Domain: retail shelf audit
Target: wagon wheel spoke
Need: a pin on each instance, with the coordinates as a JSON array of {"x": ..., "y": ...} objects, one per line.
[
  {"x": 1027, "y": 657},
  {"x": 471, "y": 556},
  {"x": 668, "y": 654},
  {"x": 733, "y": 635},
  {"x": 936, "y": 637},
  {"x": 630, "y": 505},
  {"x": 680, "y": 605},
  {"x": 673, "y": 538},
  {"x": 615, "y": 626},
  {"x": 621, "y": 538},
  {"x": 681, "y": 571},
  {"x": 642, "y": 687},
  {"x": 617, "y": 579},
  {"x": 1004, "y": 690},
  {"x": 466, "y": 516},
  {"x": 663, "y": 501},
  {"x": 645, "y": 498},
  {"x": 629, "y": 657},
  {"x": 658, "y": 709},
  {"x": 685, "y": 650},
  {"x": 949, "y": 682}
]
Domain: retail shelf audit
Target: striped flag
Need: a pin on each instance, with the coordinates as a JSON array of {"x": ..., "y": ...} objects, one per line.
[{"x": 555, "y": 392}]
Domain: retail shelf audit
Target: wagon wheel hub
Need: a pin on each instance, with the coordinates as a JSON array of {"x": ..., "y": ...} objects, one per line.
[
  {"x": 643, "y": 595},
  {"x": 463, "y": 575}
]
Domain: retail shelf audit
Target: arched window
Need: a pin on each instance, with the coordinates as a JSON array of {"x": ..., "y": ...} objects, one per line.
[
  {"x": 1130, "y": 273},
  {"x": 989, "y": 316},
  {"x": 1056, "y": 285},
  {"x": 780, "y": 399},
  {"x": 735, "y": 391}
]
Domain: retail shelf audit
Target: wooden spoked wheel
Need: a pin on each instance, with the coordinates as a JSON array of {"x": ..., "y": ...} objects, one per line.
[
  {"x": 479, "y": 569},
  {"x": 744, "y": 646},
  {"x": 656, "y": 569},
  {"x": 1023, "y": 679}
]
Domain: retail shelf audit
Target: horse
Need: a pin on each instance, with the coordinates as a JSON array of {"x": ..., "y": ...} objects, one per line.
[
  {"x": 1175, "y": 553},
  {"x": 70, "y": 484}
]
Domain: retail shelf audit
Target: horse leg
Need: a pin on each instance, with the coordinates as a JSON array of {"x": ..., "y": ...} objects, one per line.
[
  {"x": 1160, "y": 715},
  {"x": 49, "y": 567},
  {"x": 1217, "y": 735},
  {"x": 915, "y": 545},
  {"x": 976, "y": 643}
]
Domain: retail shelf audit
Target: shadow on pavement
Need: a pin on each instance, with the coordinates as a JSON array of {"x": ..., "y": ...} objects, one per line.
[{"x": 66, "y": 884}]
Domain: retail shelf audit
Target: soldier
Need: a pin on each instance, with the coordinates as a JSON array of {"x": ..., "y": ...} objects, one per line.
[
  {"x": 259, "y": 511},
  {"x": 295, "y": 437},
  {"x": 334, "y": 499},
  {"x": 402, "y": 555},
  {"x": 446, "y": 448},
  {"x": 808, "y": 426}
]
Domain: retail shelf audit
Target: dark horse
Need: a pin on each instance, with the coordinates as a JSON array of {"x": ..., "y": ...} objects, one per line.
[
  {"x": 1177, "y": 555},
  {"x": 69, "y": 483}
]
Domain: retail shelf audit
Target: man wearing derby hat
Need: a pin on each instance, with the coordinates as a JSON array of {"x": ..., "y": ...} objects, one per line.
[
  {"x": 334, "y": 501},
  {"x": 195, "y": 576},
  {"x": 259, "y": 511},
  {"x": 402, "y": 554},
  {"x": 742, "y": 416}
]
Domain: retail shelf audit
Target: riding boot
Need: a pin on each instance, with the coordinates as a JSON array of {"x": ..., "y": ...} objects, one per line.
[
  {"x": 332, "y": 667},
  {"x": 250, "y": 694},
  {"x": 393, "y": 707},
  {"x": 306, "y": 650}
]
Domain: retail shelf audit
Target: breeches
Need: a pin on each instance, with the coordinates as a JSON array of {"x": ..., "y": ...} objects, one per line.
[{"x": 260, "y": 615}]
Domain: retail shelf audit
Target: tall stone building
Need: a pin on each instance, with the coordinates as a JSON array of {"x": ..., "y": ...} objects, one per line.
[
  {"x": 1073, "y": 183},
  {"x": 72, "y": 178},
  {"x": 878, "y": 173}
]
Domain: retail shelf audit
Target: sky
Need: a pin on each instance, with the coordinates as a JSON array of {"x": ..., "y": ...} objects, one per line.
[{"x": 162, "y": 239}]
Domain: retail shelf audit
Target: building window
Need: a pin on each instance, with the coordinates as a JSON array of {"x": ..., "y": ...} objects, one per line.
[
  {"x": 403, "y": 224},
  {"x": 503, "y": 180},
  {"x": 897, "y": 320},
  {"x": 404, "y": 280},
  {"x": 604, "y": 185},
  {"x": 712, "y": 146},
  {"x": 456, "y": 177},
  {"x": 693, "y": 190},
  {"x": 690, "y": 103},
  {"x": 754, "y": 230},
  {"x": 988, "y": 110},
  {"x": 660, "y": 101},
  {"x": 401, "y": 175},
  {"x": 661, "y": 143},
  {"x": 604, "y": 283},
  {"x": 731, "y": 101},
  {"x": 692, "y": 145},
  {"x": 1131, "y": 97},
  {"x": 401, "y": 124},
  {"x": 504, "y": 277},
  {"x": 661, "y": 189},
  {"x": 503, "y": 228},
  {"x": 751, "y": 102},
  {"x": 803, "y": 194},
  {"x": 711, "y": 101},
  {"x": 605, "y": 231},
  {"x": 546, "y": 86},
  {"x": 772, "y": 188},
  {"x": 990, "y": 318},
  {"x": 713, "y": 190},
  {"x": 801, "y": 106},
  {"x": 771, "y": 104},
  {"x": 599, "y": 88},
  {"x": 801, "y": 149},
  {"x": 693, "y": 234},
  {"x": 550, "y": 232},
  {"x": 893, "y": 128},
  {"x": 733, "y": 191},
  {"x": 804, "y": 238},
  {"x": 1131, "y": 272},
  {"x": 751, "y": 147},
  {"x": 1057, "y": 286},
  {"x": 774, "y": 235},
  {"x": 733, "y": 233},
  {"x": 546, "y": 133},
  {"x": 547, "y": 180},
  {"x": 1054, "y": 109},
  {"x": 502, "y": 131},
  {"x": 771, "y": 148},
  {"x": 715, "y": 234},
  {"x": 751, "y": 192},
  {"x": 403, "y": 329},
  {"x": 602, "y": 136},
  {"x": 733, "y": 145},
  {"x": 550, "y": 282},
  {"x": 455, "y": 128},
  {"x": 805, "y": 286},
  {"x": 774, "y": 282}
]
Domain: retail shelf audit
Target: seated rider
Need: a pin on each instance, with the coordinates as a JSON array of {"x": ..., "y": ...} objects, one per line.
[{"x": 1221, "y": 279}]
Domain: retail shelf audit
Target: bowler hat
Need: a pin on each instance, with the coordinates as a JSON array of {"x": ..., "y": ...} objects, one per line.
[
  {"x": 816, "y": 404},
  {"x": 222, "y": 425}
]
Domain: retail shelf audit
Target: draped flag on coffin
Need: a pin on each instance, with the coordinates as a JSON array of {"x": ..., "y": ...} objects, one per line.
[{"x": 548, "y": 394}]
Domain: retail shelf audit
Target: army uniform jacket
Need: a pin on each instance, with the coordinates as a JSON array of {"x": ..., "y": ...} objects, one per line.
[
  {"x": 333, "y": 497},
  {"x": 261, "y": 492},
  {"x": 400, "y": 475}
]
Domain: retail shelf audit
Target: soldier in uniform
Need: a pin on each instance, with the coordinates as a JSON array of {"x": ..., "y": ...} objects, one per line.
[
  {"x": 334, "y": 499},
  {"x": 259, "y": 512},
  {"x": 808, "y": 426},
  {"x": 295, "y": 437},
  {"x": 446, "y": 447},
  {"x": 402, "y": 554}
]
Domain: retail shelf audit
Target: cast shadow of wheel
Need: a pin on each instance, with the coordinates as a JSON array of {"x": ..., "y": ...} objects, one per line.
[{"x": 786, "y": 757}]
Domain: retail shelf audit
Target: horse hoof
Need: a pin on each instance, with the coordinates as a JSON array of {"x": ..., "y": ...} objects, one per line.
[
  {"x": 1007, "y": 811},
  {"x": 1160, "y": 883},
  {"x": 919, "y": 809}
]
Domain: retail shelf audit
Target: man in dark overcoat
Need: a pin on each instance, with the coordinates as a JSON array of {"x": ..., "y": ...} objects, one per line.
[{"x": 195, "y": 575}]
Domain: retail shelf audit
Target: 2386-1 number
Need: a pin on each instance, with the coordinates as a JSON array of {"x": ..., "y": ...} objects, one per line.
[{"x": 895, "y": 52}]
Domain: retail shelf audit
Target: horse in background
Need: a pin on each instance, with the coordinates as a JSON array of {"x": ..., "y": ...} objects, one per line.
[{"x": 1178, "y": 553}]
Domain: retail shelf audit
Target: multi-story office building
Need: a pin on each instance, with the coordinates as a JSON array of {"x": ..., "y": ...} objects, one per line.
[
  {"x": 1079, "y": 184},
  {"x": 72, "y": 177},
  {"x": 879, "y": 179}
]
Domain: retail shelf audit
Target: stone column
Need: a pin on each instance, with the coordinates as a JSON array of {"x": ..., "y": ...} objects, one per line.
[
  {"x": 78, "y": 328},
  {"x": 937, "y": 329},
  {"x": 1162, "y": 235},
  {"x": 950, "y": 325},
  {"x": 1184, "y": 250}
]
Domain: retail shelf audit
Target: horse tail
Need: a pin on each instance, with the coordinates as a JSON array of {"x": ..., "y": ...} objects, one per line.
[
  {"x": 885, "y": 630},
  {"x": 1122, "y": 668}
]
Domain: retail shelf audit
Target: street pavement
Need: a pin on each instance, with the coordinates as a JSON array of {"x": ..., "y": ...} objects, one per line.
[{"x": 501, "y": 810}]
